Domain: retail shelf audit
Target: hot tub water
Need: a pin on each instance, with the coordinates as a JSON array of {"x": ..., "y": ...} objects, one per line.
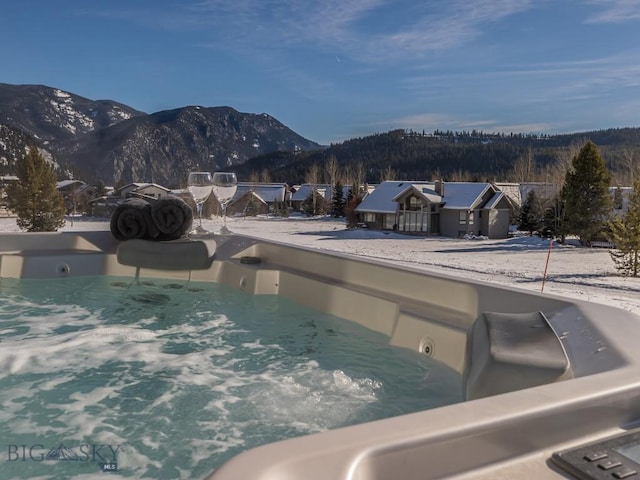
[{"x": 170, "y": 379}]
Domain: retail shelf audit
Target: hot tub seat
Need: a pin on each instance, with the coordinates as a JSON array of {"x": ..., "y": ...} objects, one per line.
[
  {"x": 182, "y": 254},
  {"x": 508, "y": 352}
]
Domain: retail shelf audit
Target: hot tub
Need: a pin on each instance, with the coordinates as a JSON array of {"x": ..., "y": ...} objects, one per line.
[{"x": 542, "y": 374}]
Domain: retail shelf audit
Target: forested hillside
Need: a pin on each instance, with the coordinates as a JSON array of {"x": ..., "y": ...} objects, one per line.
[{"x": 456, "y": 156}]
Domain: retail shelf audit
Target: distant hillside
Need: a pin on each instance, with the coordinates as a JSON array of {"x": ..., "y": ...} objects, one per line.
[
  {"x": 106, "y": 141},
  {"x": 53, "y": 116},
  {"x": 165, "y": 146},
  {"x": 103, "y": 140},
  {"x": 450, "y": 155}
]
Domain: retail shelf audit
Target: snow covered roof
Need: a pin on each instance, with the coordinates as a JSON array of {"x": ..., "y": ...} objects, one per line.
[
  {"x": 463, "y": 195},
  {"x": 543, "y": 190},
  {"x": 75, "y": 186},
  {"x": 267, "y": 192},
  {"x": 457, "y": 195},
  {"x": 306, "y": 189},
  {"x": 325, "y": 190},
  {"x": 493, "y": 201},
  {"x": 424, "y": 191},
  {"x": 381, "y": 200},
  {"x": 245, "y": 192},
  {"x": 144, "y": 186},
  {"x": 65, "y": 183}
]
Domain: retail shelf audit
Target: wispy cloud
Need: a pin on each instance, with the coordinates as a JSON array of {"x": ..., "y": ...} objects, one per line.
[
  {"x": 551, "y": 81},
  {"x": 337, "y": 26},
  {"x": 615, "y": 11},
  {"x": 454, "y": 25}
]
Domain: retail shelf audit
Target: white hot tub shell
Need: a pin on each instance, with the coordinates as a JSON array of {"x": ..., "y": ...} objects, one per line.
[{"x": 569, "y": 376}]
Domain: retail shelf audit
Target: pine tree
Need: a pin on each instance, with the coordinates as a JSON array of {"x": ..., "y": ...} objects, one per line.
[
  {"x": 312, "y": 205},
  {"x": 625, "y": 235},
  {"x": 585, "y": 194},
  {"x": 337, "y": 200},
  {"x": 553, "y": 219},
  {"x": 251, "y": 209},
  {"x": 531, "y": 214},
  {"x": 350, "y": 214},
  {"x": 34, "y": 198}
]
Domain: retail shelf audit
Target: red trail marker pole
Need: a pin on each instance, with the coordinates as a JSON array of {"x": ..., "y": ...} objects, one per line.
[{"x": 544, "y": 277}]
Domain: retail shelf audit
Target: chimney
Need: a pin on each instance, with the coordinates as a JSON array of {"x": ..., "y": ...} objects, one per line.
[{"x": 439, "y": 187}]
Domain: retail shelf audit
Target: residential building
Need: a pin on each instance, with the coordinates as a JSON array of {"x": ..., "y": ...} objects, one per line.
[
  {"x": 324, "y": 194},
  {"x": 451, "y": 209}
]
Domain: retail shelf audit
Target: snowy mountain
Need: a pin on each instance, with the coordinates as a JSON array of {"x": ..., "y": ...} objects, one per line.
[
  {"x": 103, "y": 140},
  {"x": 165, "y": 146},
  {"x": 53, "y": 116}
]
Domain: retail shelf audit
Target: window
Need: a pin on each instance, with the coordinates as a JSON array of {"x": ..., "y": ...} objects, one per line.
[
  {"x": 389, "y": 221},
  {"x": 413, "y": 222},
  {"x": 465, "y": 218},
  {"x": 412, "y": 204}
]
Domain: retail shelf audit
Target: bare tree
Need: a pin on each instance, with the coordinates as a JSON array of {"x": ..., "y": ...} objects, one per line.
[
  {"x": 630, "y": 164},
  {"x": 435, "y": 174},
  {"x": 331, "y": 170},
  {"x": 524, "y": 168},
  {"x": 557, "y": 172},
  {"x": 312, "y": 177},
  {"x": 354, "y": 175},
  {"x": 265, "y": 176},
  {"x": 254, "y": 178},
  {"x": 388, "y": 174},
  {"x": 461, "y": 176},
  {"x": 360, "y": 176}
]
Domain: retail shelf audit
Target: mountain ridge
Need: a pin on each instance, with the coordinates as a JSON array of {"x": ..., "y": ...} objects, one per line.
[
  {"x": 106, "y": 141},
  {"x": 109, "y": 142}
]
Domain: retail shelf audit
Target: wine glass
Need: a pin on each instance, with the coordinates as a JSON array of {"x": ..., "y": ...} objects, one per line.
[
  {"x": 225, "y": 185},
  {"x": 199, "y": 186}
]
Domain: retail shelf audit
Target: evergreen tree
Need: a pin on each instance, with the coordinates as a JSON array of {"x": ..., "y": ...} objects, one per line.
[
  {"x": 34, "y": 198},
  {"x": 312, "y": 205},
  {"x": 531, "y": 214},
  {"x": 337, "y": 200},
  {"x": 625, "y": 235},
  {"x": 553, "y": 219},
  {"x": 585, "y": 194},
  {"x": 353, "y": 200},
  {"x": 251, "y": 209},
  {"x": 617, "y": 199}
]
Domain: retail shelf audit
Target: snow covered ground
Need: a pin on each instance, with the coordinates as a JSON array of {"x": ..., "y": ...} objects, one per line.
[{"x": 573, "y": 271}]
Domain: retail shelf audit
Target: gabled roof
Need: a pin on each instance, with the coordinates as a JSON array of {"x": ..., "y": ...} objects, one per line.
[
  {"x": 144, "y": 186},
  {"x": 495, "y": 200},
  {"x": 421, "y": 191},
  {"x": 248, "y": 193},
  {"x": 381, "y": 200},
  {"x": 66, "y": 183},
  {"x": 72, "y": 186},
  {"x": 457, "y": 195},
  {"x": 306, "y": 189},
  {"x": 543, "y": 190},
  {"x": 324, "y": 189},
  {"x": 464, "y": 195},
  {"x": 268, "y": 192},
  {"x": 127, "y": 187}
]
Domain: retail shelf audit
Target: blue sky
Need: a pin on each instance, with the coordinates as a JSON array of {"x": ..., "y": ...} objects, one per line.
[{"x": 337, "y": 69}]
